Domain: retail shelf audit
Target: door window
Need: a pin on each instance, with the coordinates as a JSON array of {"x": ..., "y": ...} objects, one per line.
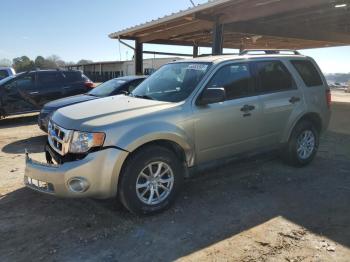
[
  {"x": 273, "y": 76},
  {"x": 236, "y": 79},
  {"x": 72, "y": 77},
  {"x": 308, "y": 72},
  {"x": 50, "y": 79},
  {"x": 26, "y": 81},
  {"x": 23, "y": 82}
]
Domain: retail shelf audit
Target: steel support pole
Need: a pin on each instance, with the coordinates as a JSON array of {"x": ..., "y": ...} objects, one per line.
[
  {"x": 217, "y": 38},
  {"x": 195, "y": 50},
  {"x": 138, "y": 58}
]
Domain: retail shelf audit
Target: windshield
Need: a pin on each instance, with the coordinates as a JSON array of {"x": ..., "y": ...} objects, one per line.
[
  {"x": 107, "y": 88},
  {"x": 172, "y": 82}
]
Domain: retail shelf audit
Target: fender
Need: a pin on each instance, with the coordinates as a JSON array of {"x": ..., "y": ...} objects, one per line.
[
  {"x": 147, "y": 133},
  {"x": 290, "y": 129}
]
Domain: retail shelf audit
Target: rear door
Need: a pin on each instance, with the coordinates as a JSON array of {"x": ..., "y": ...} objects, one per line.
[
  {"x": 50, "y": 84},
  {"x": 73, "y": 83},
  {"x": 315, "y": 86},
  {"x": 20, "y": 94},
  {"x": 281, "y": 99}
]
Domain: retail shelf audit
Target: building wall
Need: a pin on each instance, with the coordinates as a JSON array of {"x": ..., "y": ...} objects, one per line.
[{"x": 103, "y": 71}]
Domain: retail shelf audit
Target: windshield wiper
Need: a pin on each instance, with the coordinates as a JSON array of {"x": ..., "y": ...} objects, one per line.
[{"x": 143, "y": 96}]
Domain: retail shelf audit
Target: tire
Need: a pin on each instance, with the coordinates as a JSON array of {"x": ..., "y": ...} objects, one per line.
[
  {"x": 302, "y": 155},
  {"x": 160, "y": 159}
]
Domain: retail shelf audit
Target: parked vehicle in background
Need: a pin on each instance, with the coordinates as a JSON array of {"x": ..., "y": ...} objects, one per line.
[
  {"x": 186, "y": 115},
  {"x": 121, "y": 85},
  {"x": 29, "y": 91},
  {"x": 6, "y": 72}
]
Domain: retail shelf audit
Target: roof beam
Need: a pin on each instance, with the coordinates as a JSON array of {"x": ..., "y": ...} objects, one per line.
[
  {"x": 170, "y": 33},
  {"x": 258, "y": 9},
  {"x": 294, "y": 32}
]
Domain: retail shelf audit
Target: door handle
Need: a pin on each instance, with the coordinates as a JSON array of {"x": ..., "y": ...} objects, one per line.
[
  {"x": 247, "y": 108},
  {"x": 66, "y": 87},
  {"x": 34, "y": 93},
  {"x": 294, "y": 99}
]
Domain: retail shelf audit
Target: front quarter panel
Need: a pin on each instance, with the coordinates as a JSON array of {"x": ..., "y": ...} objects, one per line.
[{"x": 176, "y": 129}]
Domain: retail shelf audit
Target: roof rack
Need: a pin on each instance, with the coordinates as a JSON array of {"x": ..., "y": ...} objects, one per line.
[{"x": 269, "y": 51}]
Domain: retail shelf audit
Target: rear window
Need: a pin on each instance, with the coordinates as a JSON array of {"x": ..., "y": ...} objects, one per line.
[
  {"x": 308, "y": 72},
  {"x": 72, "y": 76}
]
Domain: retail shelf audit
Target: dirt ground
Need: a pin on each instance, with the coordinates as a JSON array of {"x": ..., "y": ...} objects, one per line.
[{"x": 253, "y": 210}]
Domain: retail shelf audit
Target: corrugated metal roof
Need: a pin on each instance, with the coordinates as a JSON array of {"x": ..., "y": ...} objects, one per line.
[{"x": 179, "y": 14}]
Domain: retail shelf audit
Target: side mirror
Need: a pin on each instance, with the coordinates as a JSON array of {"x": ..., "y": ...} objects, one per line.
[{"x": 211, "y": 96}]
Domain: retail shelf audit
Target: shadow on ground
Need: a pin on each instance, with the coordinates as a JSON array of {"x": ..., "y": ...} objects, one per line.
[
  {"x": 213, "y": 207},
  {"x": 34, "y": 144},
  {"x": 21, "y": 120}
]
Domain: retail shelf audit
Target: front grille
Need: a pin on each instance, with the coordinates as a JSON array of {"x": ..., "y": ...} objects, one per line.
[{"x": 59, "y": 138}]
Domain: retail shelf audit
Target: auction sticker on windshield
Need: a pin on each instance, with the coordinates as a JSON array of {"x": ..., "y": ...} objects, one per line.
[{"x": 200, "y": 67}]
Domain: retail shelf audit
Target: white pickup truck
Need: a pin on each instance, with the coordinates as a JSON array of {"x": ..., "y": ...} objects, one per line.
[{"x": 6, "y": 71}]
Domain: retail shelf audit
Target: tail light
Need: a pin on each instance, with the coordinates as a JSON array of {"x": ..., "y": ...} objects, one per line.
[
  {"x": 89, "y": 84},
  {"x": 328, "y": 98}
]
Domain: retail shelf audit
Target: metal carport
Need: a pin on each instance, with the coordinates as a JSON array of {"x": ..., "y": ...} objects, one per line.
[{"x": 243, "y": 24}]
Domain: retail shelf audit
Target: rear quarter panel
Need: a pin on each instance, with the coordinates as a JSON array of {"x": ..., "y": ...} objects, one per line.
[{"x": 314, "y": 99}]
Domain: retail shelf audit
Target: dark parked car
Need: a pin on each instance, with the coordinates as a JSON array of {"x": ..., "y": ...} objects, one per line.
[
  {"x": 29, "y": 91},
  {"x": 112, "y": 87}
]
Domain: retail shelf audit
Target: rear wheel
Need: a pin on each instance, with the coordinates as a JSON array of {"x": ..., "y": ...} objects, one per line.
[
  {"x": 303, "y": 144},
  {"x": 150, "y": 180}
]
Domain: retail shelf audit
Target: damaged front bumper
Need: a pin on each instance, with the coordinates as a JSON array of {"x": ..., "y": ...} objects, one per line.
[{"x": 95, "y": 175}]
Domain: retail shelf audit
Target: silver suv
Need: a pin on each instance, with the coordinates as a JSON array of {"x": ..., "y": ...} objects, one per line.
[{"x": 139, "y": 147}]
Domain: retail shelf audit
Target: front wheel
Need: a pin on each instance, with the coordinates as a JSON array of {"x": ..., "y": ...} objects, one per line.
[
  {"x": 150, "y": 180},
  {"x": 303, "y": 144}
]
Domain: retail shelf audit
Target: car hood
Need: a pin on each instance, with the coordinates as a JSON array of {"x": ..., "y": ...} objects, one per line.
[
  {"x": 54, "y": 105},
  {"x": 100, "y": 114}
]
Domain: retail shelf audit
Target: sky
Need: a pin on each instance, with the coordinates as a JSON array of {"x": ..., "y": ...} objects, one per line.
[{"x": 78, "y": 29}]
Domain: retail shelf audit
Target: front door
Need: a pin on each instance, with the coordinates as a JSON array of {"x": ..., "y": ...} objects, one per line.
[
  {"x": 50, "y": 85},
  {"x": 230, "y": 127},
  {"x": 19, "y": 95}
]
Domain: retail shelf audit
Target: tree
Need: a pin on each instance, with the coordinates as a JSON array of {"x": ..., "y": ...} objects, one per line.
[
  {"x": 5, "y": 62},
  {"x": 52, "y": 61},
  {"x": 60, "y": 63},
  {"x": 39, "y": 62},
  {"x": 23, "y": 63}
]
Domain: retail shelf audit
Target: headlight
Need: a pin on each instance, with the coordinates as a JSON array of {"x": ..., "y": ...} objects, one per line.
[{"x": 82, "y": 141}]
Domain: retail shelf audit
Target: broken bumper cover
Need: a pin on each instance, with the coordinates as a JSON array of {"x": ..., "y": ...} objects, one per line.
[{"x": 99, "y": 172}]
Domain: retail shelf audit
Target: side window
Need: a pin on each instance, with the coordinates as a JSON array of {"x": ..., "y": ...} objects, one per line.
[
  {"x": 273, "y": 76},
  {"x": 236, "y": 79},
  {"x": 308, "y": 72},
  {"x": 49, "y": 79},
  {"x": 72, "y": 77},
  {"x": 24, "y": 82}
]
